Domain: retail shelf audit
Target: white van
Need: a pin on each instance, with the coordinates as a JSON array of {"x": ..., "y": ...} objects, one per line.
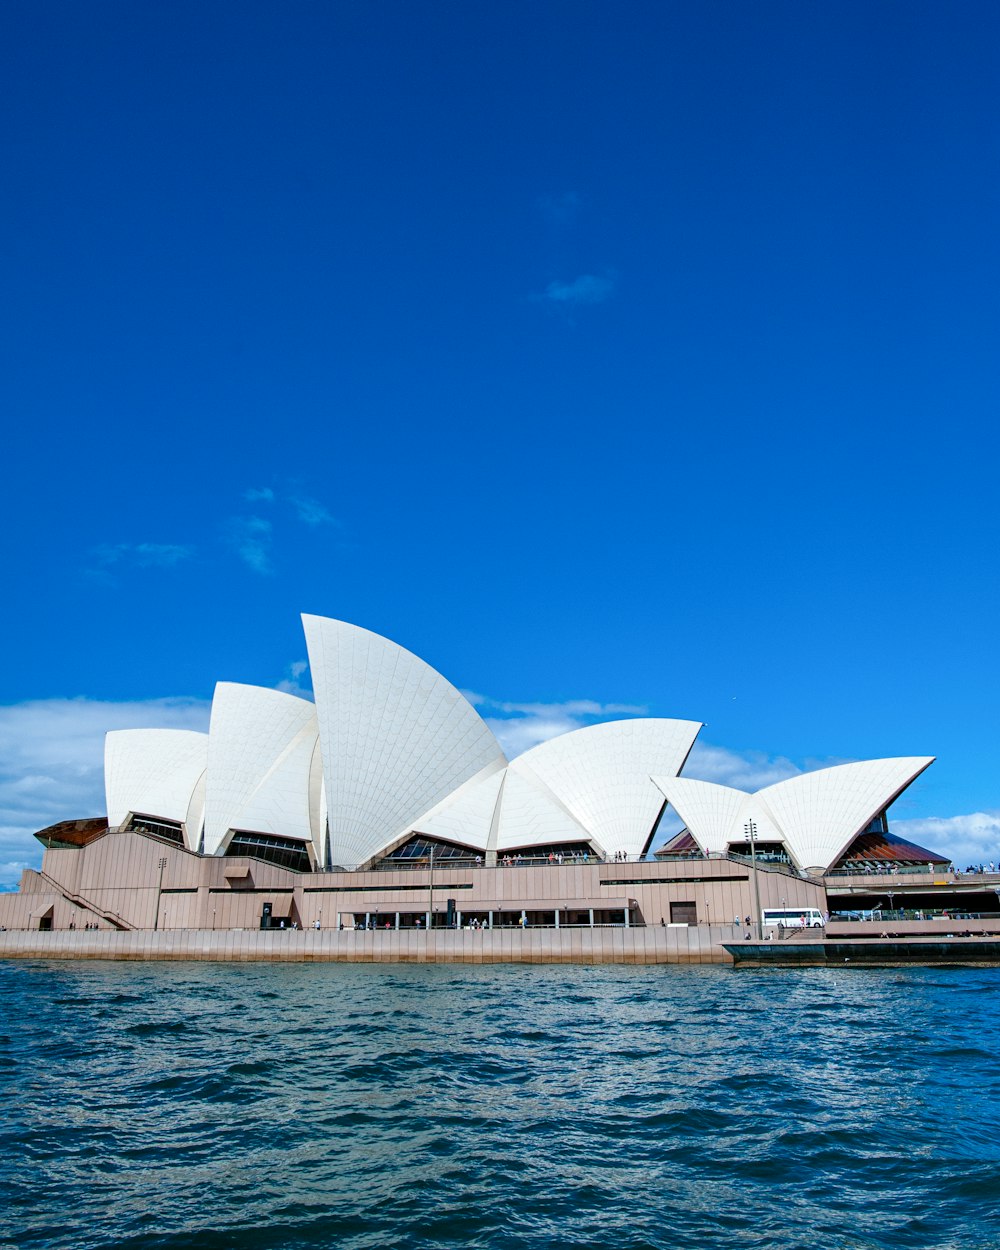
[{"x": 792, "y": 917}]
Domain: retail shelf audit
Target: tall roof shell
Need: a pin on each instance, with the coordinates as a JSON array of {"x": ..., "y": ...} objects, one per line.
[
  {"x": 396, "y": 737},
  {"x": 821, "y": 812},
  {"x": 602, "y": 775},
  {"x": 155, "y": 772},
  {"x": 260, "y": 751}
]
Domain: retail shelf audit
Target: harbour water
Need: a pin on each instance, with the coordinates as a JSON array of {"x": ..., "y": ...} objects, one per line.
[{"x": 169, "y": 1106}]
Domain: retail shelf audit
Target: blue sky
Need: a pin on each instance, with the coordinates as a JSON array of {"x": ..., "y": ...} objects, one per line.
[{"x": 602, "y": 355}]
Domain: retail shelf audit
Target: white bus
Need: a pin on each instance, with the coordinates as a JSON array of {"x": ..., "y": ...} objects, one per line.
[{"x": 792, "y": 917}]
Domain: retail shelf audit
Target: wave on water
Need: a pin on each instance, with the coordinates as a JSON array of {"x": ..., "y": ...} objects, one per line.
[{"x": 174, "y": 1107}]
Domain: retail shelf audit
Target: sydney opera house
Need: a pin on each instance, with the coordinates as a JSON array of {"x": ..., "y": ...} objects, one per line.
[{"x": 389, "y": 802}]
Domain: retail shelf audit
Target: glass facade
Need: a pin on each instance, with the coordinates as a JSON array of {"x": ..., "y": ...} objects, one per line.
[
  {"x": 169, "y": 830},
  {"x": 285, "y": 852},
  {"x": 416, "y": 853}
]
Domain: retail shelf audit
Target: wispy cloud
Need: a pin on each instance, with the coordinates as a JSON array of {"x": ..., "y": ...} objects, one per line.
[
  {"x": 559, "y": 210},
  {"x": 259, "y": 494},
  {"x": 52, "y": 763},
  {"x": 742, "y": 770},
  {"x": 251, "y": 537},
  {"x": 588, "y": 288},
  {"x": 520, "y": 726},
  {"x": 142, "y": 555},
  {"x": 292, "y": 684},
  {"x": 311, "y": 511}
]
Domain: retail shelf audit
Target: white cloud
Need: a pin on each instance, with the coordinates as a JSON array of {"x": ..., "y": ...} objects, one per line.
[
  {"x": 259, "y": 494},
  {"x": 970, "y": 839},
  {"x": 743, "y": 770},
  {"x": 588, "y": 288},
  {"x": 310, "y": 511},
  {"x": 251, "y": 537},
  {"x": 521, "y": 726},
  {"x": 292, "y": 685},
  {"x": 142, "y": 555},
  {"x": 52, "y": 763}
]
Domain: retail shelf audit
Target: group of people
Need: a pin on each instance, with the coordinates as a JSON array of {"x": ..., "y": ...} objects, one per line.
[{"x": 557, "y": 858}]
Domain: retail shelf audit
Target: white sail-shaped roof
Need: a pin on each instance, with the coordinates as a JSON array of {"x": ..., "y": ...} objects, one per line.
[
  {"x": 531, "y": 815},
  {"x": 155, "y": 772},
  {"x": 466, "y": 816},
  {"x": 260, "y": 752},
  {"x": 710, "y": 812},
  {"x": 396, "y": 737},
  {"x": 815, "y": 814},
  {"x": 821, "y": 812},
  {"x": 602, "y": 776}
]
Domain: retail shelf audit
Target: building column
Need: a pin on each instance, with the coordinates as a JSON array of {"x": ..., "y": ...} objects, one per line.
[
  {"x": 626, "y": 917},
  {"x": 428, "y": 916},
  {"x": 397, "y": 922},
  {"x": 490, "y": 920},
  {"x": 458, "y": 919},
  {"x": 591, "y": 917},
  {"x": 557, "y": 917}
]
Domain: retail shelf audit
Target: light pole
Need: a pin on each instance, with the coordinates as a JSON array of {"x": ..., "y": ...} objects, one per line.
[
  {"x": 159, "y": 889},
  {"x": 750, "y": 829}
]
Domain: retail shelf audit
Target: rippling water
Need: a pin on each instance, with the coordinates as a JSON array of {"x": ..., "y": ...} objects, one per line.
[{"x": 209, "y": 1105}]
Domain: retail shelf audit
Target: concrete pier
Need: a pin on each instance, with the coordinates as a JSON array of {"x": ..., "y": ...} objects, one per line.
[{"x": 701, "y": 944}]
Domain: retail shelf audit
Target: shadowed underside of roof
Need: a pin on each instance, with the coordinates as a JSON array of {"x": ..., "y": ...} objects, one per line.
[
  {"x": 682, "y": 844},
  {"x": 884, "y": 847}
]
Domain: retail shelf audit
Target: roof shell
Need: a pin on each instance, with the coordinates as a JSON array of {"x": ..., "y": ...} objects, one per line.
[
  {"x": 711, "y": 812},
  {"x": 467, "y": 815},
  {"x": 260, "y": 750},
  {"x": 602, "y": 775},
  {"x": 531, "y": 815},
  {"x": 815, "y": 814},
  {"x": 396, "y": 737},
  {"x": 155, "y": 772},
  {"x": 820, "y": 812}
]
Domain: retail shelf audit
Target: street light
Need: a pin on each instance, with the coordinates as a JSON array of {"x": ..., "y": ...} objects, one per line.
[
  {"x": 159, "y": 888},
  {"x": 750, "y": 829}
]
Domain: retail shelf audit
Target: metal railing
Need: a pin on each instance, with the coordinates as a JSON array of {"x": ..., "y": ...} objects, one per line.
[
  {"x": 879, "y": 914},
  {"x": 890, "y": 870}
]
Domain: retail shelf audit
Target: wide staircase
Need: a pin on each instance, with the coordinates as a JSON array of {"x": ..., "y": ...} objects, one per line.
[{"x": 102, "y": 913}]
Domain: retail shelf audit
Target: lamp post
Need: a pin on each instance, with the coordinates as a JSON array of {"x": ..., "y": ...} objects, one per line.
[
  {"x": 750, "y": 829},
  {"x": 159, "y": 889}
]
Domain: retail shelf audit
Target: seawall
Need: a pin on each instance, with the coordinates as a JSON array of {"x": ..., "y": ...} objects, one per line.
[{"x": 700, "y": 944}]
